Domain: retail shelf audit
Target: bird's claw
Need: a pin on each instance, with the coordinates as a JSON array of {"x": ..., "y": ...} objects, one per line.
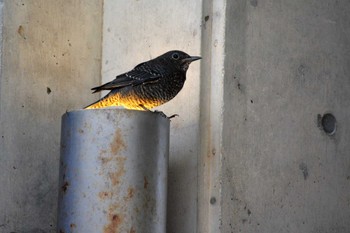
[
  {"x": 159, "y": 112},
  {"x": 174, "y": 115},
  {"x": 163, "y": 114}
]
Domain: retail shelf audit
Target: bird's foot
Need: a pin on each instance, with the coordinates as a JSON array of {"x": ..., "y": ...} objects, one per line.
[
  {"x": 159, "y": 112},
  {"x": 174, "y": 115},
  {"x": 163, "y": 114}
]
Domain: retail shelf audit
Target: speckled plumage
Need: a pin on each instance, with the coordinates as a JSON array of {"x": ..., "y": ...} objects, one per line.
[{"x": 149, "y": 84}]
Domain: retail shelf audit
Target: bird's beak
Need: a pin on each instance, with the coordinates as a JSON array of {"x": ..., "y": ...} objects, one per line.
[{"x": 191, "y": 59}]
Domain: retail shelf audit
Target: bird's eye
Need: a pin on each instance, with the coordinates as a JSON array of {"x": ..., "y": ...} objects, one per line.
[{"x": 175, "y": 56}]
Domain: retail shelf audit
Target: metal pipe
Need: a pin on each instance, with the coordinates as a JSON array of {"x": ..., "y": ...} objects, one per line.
[{"x": 113, "y": 172}]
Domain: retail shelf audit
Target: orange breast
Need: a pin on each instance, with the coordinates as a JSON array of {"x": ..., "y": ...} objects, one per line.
[{"x": 129, "y": 101}]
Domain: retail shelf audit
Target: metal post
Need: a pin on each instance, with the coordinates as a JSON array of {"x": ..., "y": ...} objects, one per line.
[{"x": 113, "y": 172}]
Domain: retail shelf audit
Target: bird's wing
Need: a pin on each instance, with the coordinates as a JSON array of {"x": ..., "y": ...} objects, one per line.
[{"x": 141, "y": 74}]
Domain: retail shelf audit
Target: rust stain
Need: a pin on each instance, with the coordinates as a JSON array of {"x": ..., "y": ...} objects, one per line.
[
  {"x": 149, "y": 204},
  {"x": 105, "y": 160},
  {"x": 115, "y": 220},
  {"x": 65, "y": 186},
  {"x": 102, "y": 152},
  {"x": 105, "y": 195},
  {"x": 145, "y": 182},
  {"x": 118, "y": 175},
  {"x": 132, "y": 230},
  {"x": 118, "y": 143},
  {"x": 130, "y": 194},
  {"x": 72, "y": 225},
  {"x": 115, "y": 177}
]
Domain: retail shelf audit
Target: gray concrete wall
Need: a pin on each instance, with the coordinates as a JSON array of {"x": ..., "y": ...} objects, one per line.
[
  {"x": 286, "y": 62},
  {"x": 51, "y": 58}
]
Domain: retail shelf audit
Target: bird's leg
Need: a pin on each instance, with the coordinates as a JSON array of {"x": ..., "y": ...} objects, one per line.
[
  {"x": 159, "y": 112},
  {"x": 174, "y": 115},
  {"x": 144, "y": 108},
  {"x": 148, "y": 110}
]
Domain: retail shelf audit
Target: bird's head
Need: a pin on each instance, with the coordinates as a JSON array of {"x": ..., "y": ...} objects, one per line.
[{"x": 180, "y": 59}]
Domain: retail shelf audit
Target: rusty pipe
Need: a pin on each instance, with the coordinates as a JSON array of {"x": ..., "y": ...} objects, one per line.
[{"x": 113, "y": 171}]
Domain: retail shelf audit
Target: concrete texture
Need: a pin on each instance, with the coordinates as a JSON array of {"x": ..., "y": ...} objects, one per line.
[
  {"x": 286, "y": 62},
  {"x": 51, "y": 57},
  {"x": 148, "y": 29}
]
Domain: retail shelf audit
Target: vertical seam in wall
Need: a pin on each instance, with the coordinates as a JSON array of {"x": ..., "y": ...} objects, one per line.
[
  {"x": 102, "y": 43},
  {"x": 204, "y": 120},
  {"x": 1, "y": 43},
  {"x": 211, "y": 116}
]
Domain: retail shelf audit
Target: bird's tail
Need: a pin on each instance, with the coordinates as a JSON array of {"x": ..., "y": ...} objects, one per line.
[{"x": 97, "y": 89}]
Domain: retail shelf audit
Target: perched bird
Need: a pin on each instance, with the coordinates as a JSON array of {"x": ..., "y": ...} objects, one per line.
[{"x": 149, "y": 84}]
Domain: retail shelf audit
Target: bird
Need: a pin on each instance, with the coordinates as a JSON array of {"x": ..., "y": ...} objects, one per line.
[{"x": 147, "y": 85}]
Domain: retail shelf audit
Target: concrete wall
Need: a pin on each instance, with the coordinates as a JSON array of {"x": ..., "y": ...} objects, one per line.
[
  {"x": 51, "y": 58},
  {"x": 286, "y": 62}
]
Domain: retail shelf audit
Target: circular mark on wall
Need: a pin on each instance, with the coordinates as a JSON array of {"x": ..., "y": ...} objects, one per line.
[{"x": 328, "y": 123}]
